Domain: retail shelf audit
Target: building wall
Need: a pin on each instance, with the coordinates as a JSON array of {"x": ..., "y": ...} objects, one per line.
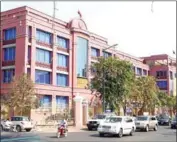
[{"x": 27, "y": 21}]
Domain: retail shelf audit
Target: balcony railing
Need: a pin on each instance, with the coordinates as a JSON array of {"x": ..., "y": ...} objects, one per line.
[
  {"x": 62, "y": 49},
  {"x": 94, "y": 58},
  {"x": 65, "y": 69},
  {"x": 44, "y": 44},
  {"x": 43, "y": 65},
  {"x": 161, "y": 77},
  {"x": 5, "y": 42},
  {"x": 8, "y": 63}
]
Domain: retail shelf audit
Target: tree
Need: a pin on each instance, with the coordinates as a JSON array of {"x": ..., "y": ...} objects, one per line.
[
  {"x": 22, "y": 94},
  {"x": 146, "y": 93},
  {"x": 114, "y": 77}
]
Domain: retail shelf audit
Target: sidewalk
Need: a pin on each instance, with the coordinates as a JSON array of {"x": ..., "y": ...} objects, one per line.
[{"x": 53, "y": 130}]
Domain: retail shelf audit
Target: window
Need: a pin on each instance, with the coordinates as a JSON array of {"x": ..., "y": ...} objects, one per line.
[
  {"x": 82, "y": 56},
  {"x": 8, "y": 75},
  {"x": 94, "y": 52},
  {"x": 171, "y": 75},
  {"x": 10, "y": 34},
  {"x": 161, "y": 74},
  {"x": 62, "y": 80},
  {"x": 62, "y": 101},
  {"x": 139, "y": 71},
  {"x": 43, "y": 36},
  {"x": 62, "y": 60},
  {"x": 42, "y": 77},
  {"x": 162, "y": 84},
  {"x": 29, "y": 52},
  {"x": 45, "y": 101},
  {"x": 43, "y": 56},
  {"x": 62, "y": 42},
  {"x": 9, "y": 54},
  {"x": 144, "y": 72},
  {"x": 106, "y": 54}
]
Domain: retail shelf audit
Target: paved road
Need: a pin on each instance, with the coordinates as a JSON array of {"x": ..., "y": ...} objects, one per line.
[{"x": 163, "y": 134}]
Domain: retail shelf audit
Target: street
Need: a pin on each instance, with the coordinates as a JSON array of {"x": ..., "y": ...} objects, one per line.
[{"x": 164, "y": 133}]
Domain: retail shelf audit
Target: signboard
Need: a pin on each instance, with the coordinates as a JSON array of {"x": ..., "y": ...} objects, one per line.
[{"x": 82, "y": 82}]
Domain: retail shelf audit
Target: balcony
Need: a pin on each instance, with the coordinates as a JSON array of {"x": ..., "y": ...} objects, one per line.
[
  {"x": 44, "y": 65},
  {"x": 65, "y": 69},
  {"x": 8, "y": 63},
  {"x": 62, "y": 49},
  {"x": 6, "y": 42},
  {"x": 43, "y": 44},
  {"x": 161, "y": 77},
  {"x": 94, "y": 58}
]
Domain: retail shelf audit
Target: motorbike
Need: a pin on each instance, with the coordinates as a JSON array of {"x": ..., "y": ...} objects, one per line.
[{"x": 62, "y": 131}]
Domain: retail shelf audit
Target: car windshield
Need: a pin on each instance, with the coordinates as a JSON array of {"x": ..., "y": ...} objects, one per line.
[
  {"x": 100, "y": 116},
  {"x": 142, "y": 118},
  {"x": 113, "y": 119},
  {"x": 25, "y": 119}
]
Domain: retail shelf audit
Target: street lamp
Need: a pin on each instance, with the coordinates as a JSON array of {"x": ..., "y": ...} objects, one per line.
[{"x": 104, "y": 77}]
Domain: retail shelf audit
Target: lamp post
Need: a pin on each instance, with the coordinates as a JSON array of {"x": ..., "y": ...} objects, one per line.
[{"x": 103, "y": 104}]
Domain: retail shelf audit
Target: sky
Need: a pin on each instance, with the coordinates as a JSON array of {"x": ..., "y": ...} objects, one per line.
[{"x": 132, "y": 25}]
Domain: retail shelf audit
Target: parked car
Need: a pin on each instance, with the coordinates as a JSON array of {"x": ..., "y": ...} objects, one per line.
[
  {"x": 173, "y": 123},
  {"x": 5, "y": 125},
  {"x": 21, "y": 123},
  {"x": 97, "y": 120},
  {"x": 164, "y": 120},
  {"x": 146, "y": 123},
  {"x": 117, "y": 125}
]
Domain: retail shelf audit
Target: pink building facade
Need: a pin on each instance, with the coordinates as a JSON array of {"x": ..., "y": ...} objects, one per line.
[{"x": 56, "y": 54}]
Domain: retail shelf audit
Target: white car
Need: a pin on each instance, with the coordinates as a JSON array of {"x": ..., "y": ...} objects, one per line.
[
  {"x": 22, "y": 123},
  {"x": 117, "y": 125},
  {"x": 5, "y": 125},
  {"x": 97, "y": 120},
  {"x": 146, "y": 123}
]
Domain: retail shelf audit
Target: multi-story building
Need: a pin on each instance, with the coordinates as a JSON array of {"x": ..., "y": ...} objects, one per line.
[
  {"x": 163, "y": 68},
  {"x": 56, "y": 54}
]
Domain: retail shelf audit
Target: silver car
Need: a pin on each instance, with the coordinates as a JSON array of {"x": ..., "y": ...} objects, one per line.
[{"x": 146, "y": 123}]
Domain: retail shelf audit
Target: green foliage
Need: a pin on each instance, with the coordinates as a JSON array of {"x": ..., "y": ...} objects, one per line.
[{"x": 118, "y": 77}]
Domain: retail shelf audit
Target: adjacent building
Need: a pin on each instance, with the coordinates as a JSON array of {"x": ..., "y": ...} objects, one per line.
[{"x": 57, "y": 55}]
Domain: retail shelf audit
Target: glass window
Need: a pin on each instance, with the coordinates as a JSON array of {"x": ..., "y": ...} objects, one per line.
[
  {"x": 62, "y": 42},
  {"x": 9, "y": 54},
  {"x": 8, "y": 75},
  {"x": 42, "y": 77},
  {"x": 45, "y": 101},
  {"x": 106, "y": 54},
  {"x": 43, "y": 36},
  {"x": 162, "y": 84},
  {"x": 10, "y": 34},
  {"x": 62, "y": 101},
  {"x": 43, "y": 56},
  {"x": 94, "y": 52},
  {"x": 82, "y": 56},
  {"x": 139, "y": 71},
  {"x": 62, "y": 80},
  {"x": 62, "y": 60},
  {"x": 144, "y": 72}
]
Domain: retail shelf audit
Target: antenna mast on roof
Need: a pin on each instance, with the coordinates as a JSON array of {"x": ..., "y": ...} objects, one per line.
[{"x": 54, "y": 14}]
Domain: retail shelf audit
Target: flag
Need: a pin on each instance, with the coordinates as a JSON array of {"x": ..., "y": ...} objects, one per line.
[{"x": 79, "y": 14}]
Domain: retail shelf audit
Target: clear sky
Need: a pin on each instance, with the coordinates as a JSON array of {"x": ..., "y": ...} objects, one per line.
[{"x": 132, "y": 25}]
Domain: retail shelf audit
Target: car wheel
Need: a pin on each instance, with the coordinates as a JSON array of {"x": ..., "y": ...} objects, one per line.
[
  {"x": 18, "y": 128},
  {"x": 132, "y": 131},
  {"x": 120, "y": 133},
  {"x": 147, "y": 128},
  {"x": 101, "y": 134},
  {"x": 28, "y": 130},
  {"x": 155, "y": 128}
]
